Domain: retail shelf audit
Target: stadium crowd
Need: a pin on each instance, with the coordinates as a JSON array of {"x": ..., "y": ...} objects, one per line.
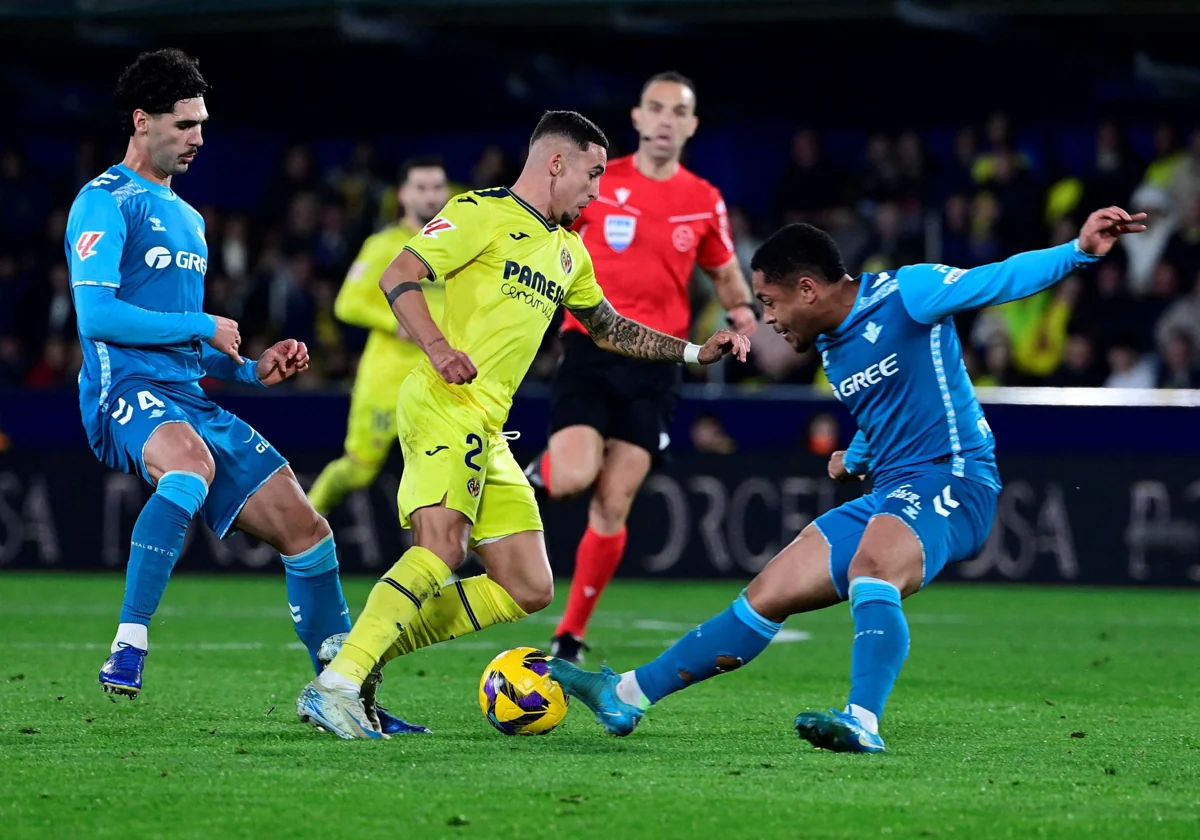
[{"x": 1134, "y": 321}]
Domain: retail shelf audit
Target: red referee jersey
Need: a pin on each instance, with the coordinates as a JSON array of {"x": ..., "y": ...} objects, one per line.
[{"x": 646, "y": 236}]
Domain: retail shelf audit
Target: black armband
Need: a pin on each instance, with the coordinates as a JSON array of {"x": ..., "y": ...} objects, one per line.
[
  {"x": 410, "y": 286},
  {"x": 753, "y": 306}
]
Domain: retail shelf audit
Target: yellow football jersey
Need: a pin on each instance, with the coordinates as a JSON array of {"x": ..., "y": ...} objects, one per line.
[
  {"x": 361, "y": 304},
  {"x": 507, "y": 269}
]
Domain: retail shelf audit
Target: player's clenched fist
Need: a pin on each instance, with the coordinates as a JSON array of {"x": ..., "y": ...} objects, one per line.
[
  {"x": 722, "y": 344},
  {"x": 453, "y": 365},
  {"x": 283, "y": 360},
  {"x": 837, "y": 467},
  {"x": 1104, "y": 227},
  {"x": 227, "y": 339}
]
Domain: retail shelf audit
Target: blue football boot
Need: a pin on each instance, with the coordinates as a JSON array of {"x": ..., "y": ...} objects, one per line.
[
  {"x": 837, "y": 731},
  {"x": 598, "y": 691},
  {"x": 122, "y": 671}
]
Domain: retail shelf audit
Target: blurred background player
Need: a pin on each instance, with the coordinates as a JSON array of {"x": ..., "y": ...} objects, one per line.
[
  {"x": 512, "y": 262},
  {"x": 888, "y": 341},
  {"x": 138, "y": 256},
  {"x": 652, "y": 224},
  {"x": 390, "y": 355}
]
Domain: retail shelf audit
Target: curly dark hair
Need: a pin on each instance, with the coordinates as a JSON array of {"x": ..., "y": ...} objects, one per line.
[{"x": 155, "y": 82}]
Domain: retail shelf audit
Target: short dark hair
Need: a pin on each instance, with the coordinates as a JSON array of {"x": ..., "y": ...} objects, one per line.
[
  {"x": 797, "y": 250},
  {"x": 669, "y": 76},
  {"x": 420, "y": 162},
  {"x": 572, "y": 125},
  {"x": 155, "y": 82}
]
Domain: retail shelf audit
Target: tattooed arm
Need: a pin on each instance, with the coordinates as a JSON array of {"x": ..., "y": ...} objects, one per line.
[{"x": 614, "y": 332}]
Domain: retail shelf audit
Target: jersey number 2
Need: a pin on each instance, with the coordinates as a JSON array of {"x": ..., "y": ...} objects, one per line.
[{"x": 476, "y": 449}]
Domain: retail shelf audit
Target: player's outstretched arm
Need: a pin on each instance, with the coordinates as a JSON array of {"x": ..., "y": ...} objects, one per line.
[
  {"x": 931, "y": 292},
  {"x": 614, "y": 332},
  {"x": 401, "y": 284}
]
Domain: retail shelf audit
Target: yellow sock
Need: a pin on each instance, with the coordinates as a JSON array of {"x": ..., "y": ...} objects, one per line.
[
  {"x": 337, "y": 480},
  {"x": 465, "y": 607},
  {"x": 392, "y": 605}
]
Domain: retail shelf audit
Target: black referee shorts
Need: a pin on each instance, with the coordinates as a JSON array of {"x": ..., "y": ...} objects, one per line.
[{"x": 621, "y": 398}]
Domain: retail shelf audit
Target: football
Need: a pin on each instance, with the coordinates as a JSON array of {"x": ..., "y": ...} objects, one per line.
[{"x": 517, "y": 695}]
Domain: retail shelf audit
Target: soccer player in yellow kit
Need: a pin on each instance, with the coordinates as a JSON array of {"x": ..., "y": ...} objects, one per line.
[
  {"x": 509, "y": 262},
  {"x": 390, "y": 355}
]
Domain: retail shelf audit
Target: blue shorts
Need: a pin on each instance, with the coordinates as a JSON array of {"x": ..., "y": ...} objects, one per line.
[
  {"x": 244, "y": 459},
  {"x": 951, "y": 517}
]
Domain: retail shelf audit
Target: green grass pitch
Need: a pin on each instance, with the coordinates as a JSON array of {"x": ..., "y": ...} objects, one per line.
[{"x": 1021, "y": 712}]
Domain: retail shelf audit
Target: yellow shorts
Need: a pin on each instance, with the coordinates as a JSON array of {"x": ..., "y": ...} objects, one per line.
[
  {"x": 371, "y": 427},
  {"x": 450, "y": 455}
]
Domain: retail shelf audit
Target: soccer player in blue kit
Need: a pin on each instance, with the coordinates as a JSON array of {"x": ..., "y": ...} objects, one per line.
[
  {"x": 889, "y": 347},
  {"x": 137, "y": 257}
]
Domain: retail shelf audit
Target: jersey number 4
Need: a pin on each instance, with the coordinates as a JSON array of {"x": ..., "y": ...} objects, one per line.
[{"x": 123, "y": 413}]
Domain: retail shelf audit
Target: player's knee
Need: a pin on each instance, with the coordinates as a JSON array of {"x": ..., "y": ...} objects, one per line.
[
  {"x": 194, "y": 457},
  {"x": 769, "y": 600},
  {"x": 533, "y": 595},
  {"x": 303, "y": 532},
  {"x": 568, "y": 479}
]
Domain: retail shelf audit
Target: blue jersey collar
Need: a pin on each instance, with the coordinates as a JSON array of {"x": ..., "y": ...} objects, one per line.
[
  {"x": 157, "y": 189},
  {"x": 861, "y": 285}
]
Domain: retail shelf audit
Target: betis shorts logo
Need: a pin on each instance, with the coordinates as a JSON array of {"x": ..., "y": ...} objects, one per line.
[
  {"x": 618, "y": 231},
  {"x": 565, "y": 258},
  {"x": 473, "y": 487}
]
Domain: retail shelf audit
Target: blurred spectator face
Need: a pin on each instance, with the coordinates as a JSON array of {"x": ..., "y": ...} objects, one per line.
[
  {"x": 997, "y": 357},
  {"x": 489, "y": 169},
  {"x": 1109, "y": 279},
  {"x": 1122, "y": 359},
  {"x": 965, "y": 146},
  {"x": 1064, "y": 231},
  {"x": 56, "y": 225},
  {"x": 1108, "y": 140},
  {"x": 1152, "y": 200},
  {"x": 297, "y": 164},
  {"x": 235, "y": 228},
  {"x": 709, "y": 436},
  {"x": 998, "y": 129},
  {"x": 879, "y": 150},
  {"x": 1069, "y": 290},
  {"x": 1004, "y": 167},
  {"x": 1165, "y": 281},
  {"x": 55, "y": 353},
  {"x": 1079, "y": 353},
  {"x": 805, "y": 149},
  {"x": 667, "y": 116},
  {"x": 332, "y": 217},
  {"x": 301, "y": 271},
  {"x": 11, "y": 166},
  {"x": 985, "y": 211},
  {"x": 887, "y": 219},
  {"x": 910, "y": 152},
  {"x": 957, "y": 212},
  {"x": 302, "y": 215},
  {"x": 423, "y": 194},
  {"x": 60, "y": 279},
  {"x": 1177, "y": 350},
  {"x": 1164, "y": 139}
]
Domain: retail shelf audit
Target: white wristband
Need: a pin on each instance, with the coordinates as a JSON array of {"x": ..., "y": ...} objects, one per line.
[{"x": 691, "y": 354}]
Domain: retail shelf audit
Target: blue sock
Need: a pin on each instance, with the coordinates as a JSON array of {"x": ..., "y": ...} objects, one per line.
[
  {"x": 315, "y": 596},
  {"x": 725, "y": 642},
  {"x": 880, "y": 642},
  {"x": 156, "y": 542}
]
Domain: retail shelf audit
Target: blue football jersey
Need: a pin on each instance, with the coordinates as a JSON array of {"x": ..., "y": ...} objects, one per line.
[
  {"x": 144, "y": 241},
  {"x": 896, "y": 363}
]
